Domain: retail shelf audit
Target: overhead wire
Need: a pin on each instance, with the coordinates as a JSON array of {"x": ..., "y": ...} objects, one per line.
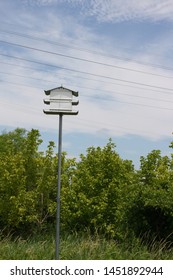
[
  {"x": 86, "y": 60},
  {"x": 17, "y": 107},
  {"x": 119, "y": 101},
  {"x": 121, "y": 93},
  {"x": 93, "y": 89},
  {"x": 86, "y": 78},
  {"x": 150, "y": 87},
  {"x": 126, "y": 59},
  {"x": 87, "y": 73}
]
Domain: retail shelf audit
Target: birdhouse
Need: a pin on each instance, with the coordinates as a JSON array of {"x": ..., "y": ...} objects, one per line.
[{"x": 61, "y": 101}]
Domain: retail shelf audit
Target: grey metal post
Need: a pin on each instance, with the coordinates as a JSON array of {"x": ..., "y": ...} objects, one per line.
[{"x": 59, "y": 188}]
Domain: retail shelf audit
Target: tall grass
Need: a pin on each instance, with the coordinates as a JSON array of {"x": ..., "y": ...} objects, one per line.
[{"x": 81, "y": 247}]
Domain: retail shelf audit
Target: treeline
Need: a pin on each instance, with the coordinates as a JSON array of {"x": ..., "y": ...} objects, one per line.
[{"x": 100, "y": 191}]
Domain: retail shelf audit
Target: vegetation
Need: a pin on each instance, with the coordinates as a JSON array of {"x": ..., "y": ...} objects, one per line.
[
  {"x": 101, "y": 193},
  {"x": 82, "y": 246}
]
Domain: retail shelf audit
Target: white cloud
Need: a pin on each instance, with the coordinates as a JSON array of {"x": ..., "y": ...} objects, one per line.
[
  {"x": 124, "y": 10},
  {"x": 112, "y": 10},
  {"x": 116, "y": 116},
  {"x": 117, "y": 10},
  {"x": 40, "y": 2}
]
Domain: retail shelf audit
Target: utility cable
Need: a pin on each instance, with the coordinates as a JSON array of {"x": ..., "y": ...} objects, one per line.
[
  {"x": 87, "y": 73},
  {"x": 93, "y": 89},
  {"x": 88, "y": 79},
  {"x": 126, "y": 59},
  {"x": 81, "y": 121},
  {"x": 86, "y": 60},
  {"x": 130, "y": 103}
]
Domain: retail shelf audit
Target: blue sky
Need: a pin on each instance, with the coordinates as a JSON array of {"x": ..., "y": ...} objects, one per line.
[{"x": 125, "y": 88}]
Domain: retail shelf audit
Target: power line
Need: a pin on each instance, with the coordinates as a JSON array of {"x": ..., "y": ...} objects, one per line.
[
  {"x": 87, "y": 73},
  {"x": 18, "y": 84},
  {"x": 137, "y": 104},
  {"x": 86, "y": 60},
  {"x": 122, "y": 93},
  {"x": 89, "y": 79},
  {"x": 93, "y": 89},
  {"x": 126, "y": 59},
  {"x": 23, "y": 76},
  {"x": 80, "y": 121},
  {"x": 126, "y": 69},
  {"x": 124, "y": 102},
  {"x": 24, "y": 66}
]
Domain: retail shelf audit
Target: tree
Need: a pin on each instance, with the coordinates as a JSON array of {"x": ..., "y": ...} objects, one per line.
[
  {"x": 13, "y": 141},
  {"x": 22, "y": 179},
  {"x": 92, "y": 201},
  {"x": 152, "y": 211},
  {"x": 100, "y": 192},
  {"x": 28, "y": 181}
]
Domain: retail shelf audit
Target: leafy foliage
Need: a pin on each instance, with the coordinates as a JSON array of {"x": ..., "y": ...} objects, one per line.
[
  {"x": 93, "y": 199},
  {"x": 152, "y": 207},
  {"x": 100, "y": 192}
]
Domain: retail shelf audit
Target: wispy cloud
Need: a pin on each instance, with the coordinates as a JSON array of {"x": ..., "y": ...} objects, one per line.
[
  {"x": 117, "y": 10},
  {"x": 125, "y": 10},
  {"x": 40, "y": 2},
  {"x": 113, "y": 113}
]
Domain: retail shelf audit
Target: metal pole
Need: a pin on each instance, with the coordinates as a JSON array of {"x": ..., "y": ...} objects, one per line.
[{"x": 59, "y": 188}]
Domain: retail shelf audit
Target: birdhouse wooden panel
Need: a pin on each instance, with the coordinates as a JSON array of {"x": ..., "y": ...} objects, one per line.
[
  {"x": 64, "y": 105},
  {"x": 61, "y": 94},
  {"x": 61, "y": 101}
]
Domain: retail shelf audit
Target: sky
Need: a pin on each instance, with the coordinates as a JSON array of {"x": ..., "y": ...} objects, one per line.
[{"x": 117, "y": 54}]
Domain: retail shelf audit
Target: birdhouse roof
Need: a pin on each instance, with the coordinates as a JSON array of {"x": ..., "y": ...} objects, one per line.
[{"x": 75, "y": 93}]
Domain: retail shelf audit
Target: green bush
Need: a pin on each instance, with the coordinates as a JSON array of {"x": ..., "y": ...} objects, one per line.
[{"x": 100, "y": 192}]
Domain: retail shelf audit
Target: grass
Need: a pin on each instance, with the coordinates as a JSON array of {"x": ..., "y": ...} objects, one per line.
[{"x": 81, "y": 247}]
